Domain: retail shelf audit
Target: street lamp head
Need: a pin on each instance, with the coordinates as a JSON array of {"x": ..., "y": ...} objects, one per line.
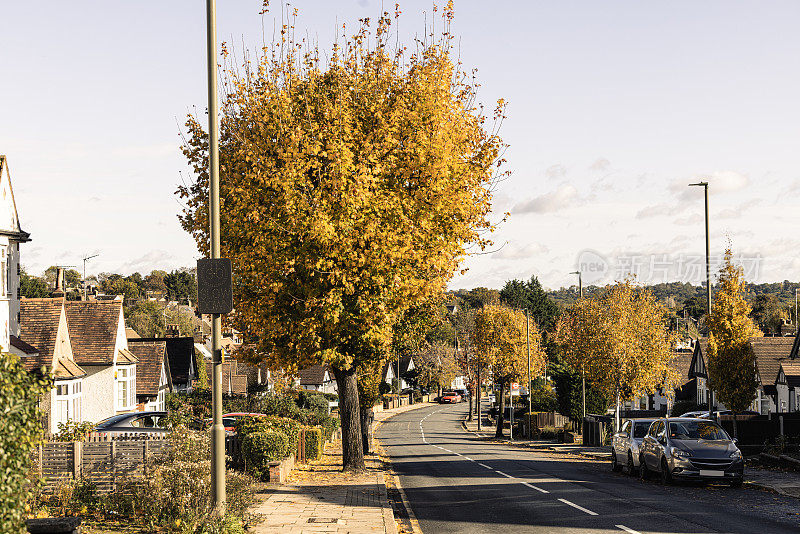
[
  {"x": 575, "y": 272},
  {"x": 704, "y": 184}
]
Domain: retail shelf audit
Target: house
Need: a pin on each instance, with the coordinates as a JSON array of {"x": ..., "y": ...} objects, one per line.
[
  {"x": 181, "y": 357},
  {"x": 43, "y": 323},
  {"x": 318, "y": 378},
  {"x": 153, "y": 377},
  {"x": 773, "y": 392},
  {"x": 790, "y": 374},
  {"x": 100, "y": 346},
  {"x": 11, "y": 237}
]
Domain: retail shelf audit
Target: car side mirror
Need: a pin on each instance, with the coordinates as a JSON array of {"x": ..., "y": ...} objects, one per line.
[{"x": 736, "y": 441}]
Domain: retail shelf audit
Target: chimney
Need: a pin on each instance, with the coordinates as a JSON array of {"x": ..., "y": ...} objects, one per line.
[{"x": 59, "y": 290}]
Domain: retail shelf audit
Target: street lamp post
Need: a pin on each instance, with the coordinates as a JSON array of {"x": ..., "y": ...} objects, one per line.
[
  {"x": 217, "y": 430},
  {"x": 704, "y": 185},
  {"x": 583, "y": 376},
  {"x": 530, "y": 384}
]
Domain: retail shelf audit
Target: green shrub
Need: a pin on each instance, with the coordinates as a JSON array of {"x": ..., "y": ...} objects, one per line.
[
  {"x": 260, "y": 448},
  {"x": 22, "y": 430},
  {"x": 288, "y": 427},
  {"x": 73, "y": 431},
  {"x": 543, "y": 399},
  {"x": 548, "y": 432},
  {"x": 312, "y": 400},
  {"x": 329, "y": 426},
  {"x": 313, "y": 443}
]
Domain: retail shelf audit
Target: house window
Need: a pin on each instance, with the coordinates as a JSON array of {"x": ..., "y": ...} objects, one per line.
[
  {"x": 161, "y": 400},
  {"x": 68, "y": 402},
  {"x": 3, "y": 273},
  {"x": 126, "y": 388}
]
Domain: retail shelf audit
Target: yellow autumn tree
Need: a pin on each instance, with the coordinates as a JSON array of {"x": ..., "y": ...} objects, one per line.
[
  {"x": 351, "y": 188},
  {"x": 732, "y": 369},
  {"x": 620, "y": 340},
  {"x": 499, "y": 344}
]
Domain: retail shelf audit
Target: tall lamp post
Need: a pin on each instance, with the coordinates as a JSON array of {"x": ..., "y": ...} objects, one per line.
[
  {"x": 217, "y": 430},
  {"x": 704, "y": 185},
  {"x": 583, "y": 376},
  {"x": 530, "y": 384},
  {"x": 451, "y": 310}
]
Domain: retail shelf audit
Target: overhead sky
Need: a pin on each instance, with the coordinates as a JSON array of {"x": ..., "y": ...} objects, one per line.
[{"x": 614, "y": 107}]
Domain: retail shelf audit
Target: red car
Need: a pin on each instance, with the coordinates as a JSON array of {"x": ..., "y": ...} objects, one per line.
[{"x": 449, "y": 397}]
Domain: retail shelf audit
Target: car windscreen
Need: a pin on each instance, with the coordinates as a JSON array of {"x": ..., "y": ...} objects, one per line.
[
  {"x": 696, "y": 430},
  {"x": 113, "y": 420},
  {"x": 640, "y": 429}
]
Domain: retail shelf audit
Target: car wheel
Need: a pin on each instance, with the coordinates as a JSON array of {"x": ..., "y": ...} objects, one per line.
[
  {"x": 614, "y": 463},
  {"x": 644, "y": 472},
  {"x": 666, "y": 476},
  {"x": 736, "y": 483},
  {"x": 631, "y": 468}
]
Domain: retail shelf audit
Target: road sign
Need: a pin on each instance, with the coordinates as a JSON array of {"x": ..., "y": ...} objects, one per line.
[
  {"x": 214, "y": 286},
  {"x": 514, "y": 388}
]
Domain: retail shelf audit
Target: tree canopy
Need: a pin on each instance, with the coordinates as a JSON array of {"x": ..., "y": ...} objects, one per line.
[
  {"x": 531, "y": 296},
  {"x": 351, "y": 189}
]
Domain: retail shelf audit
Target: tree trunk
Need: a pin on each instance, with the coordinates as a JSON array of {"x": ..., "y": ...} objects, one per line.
[
  {"x": 366, "y": 421},
  {"x": 350, "y": 413},
  {"x": 471, "y": 398},
  {"x": 500, "y": 416}
]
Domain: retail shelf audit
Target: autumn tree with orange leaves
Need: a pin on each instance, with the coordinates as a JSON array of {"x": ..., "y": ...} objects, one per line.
[
  {"x": 620, "y": 341},
  {"x": 351, "y": 188}
]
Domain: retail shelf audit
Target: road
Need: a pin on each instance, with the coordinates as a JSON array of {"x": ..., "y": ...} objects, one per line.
[{"x": 457, "y": 482}]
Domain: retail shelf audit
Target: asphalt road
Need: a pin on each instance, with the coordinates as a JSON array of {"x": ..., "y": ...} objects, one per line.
[{"x": 456, "y": 482}]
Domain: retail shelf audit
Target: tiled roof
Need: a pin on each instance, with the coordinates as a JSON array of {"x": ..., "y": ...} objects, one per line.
[
  {"x": 93, "y": 327},
  {"x": 39, "y": 320},
  {"x": 791, "y": 368},
  {"x": 148, "y": 371},
  {"x": 130, "y": 333},
  {"x": 314, "y": 375},
  {"x": 180, "y": 353},
  {"x": 23, "y": 347},
  {"x": 681, "y": 363},
  {"x": 795, "y": 354},
  {"x": 126, "y": 357},
  {"x": 405, "y": 362},
  {"x": 769, "y": 352},
  {"x": 67, "y": 369}
]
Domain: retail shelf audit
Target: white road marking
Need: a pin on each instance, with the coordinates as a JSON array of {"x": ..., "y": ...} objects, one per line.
[
  {"x": 484, "y": 465},
  {"x": 537, "y": 488},
  {"x": 626, "y": 529},
  {"x": 581, "y": 508},
  {"x": 467, "y": 458},
  {"x": 505, "y": 475}
]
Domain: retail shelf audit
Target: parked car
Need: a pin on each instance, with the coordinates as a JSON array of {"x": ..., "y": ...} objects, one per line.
[
  {"x": 625, "y": 444},
  {"x": 229, "y": 420},
  {"x": 133, "y": 423},
  {"x": 698, "y": 413},
  {"x": 690, "y": 449},
  {"x": 747, "y": 413},
  {"x": 449, "y": 397}
]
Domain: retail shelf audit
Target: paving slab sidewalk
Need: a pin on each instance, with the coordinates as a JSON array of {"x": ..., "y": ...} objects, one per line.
[
  {"x": 782, "y": 482},
  {"x": 321, "y": 498}
]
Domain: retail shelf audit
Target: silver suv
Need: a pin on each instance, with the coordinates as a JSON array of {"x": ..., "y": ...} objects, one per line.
[
  {"x": 626, "y": 443},
  {"x": 690, "y": 449}
]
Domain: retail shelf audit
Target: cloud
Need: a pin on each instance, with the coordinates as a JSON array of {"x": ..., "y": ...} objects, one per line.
[
  {"x": 519, "y": 253},
  {"x": 738, "y": 211},
  {"x": 565, "y": 196},
  {"x": 600, "y": 165},
  {"x": 694, "y": 218},
  {"x": 718, "y": 182},
  {"x": 654, "y": 211},
  {"x": 556, "y": 171},
  {"x": 155, "y": 259}
]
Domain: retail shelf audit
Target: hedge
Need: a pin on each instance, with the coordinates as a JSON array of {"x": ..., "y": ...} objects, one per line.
[
  {"x": 288, "y": 427},
  {"x": 261, "y": 448},
  {"x": 313, "y": 443}
]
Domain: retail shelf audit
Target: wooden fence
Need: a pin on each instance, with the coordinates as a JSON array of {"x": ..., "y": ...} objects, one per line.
[{"x": 101, "y": 460}]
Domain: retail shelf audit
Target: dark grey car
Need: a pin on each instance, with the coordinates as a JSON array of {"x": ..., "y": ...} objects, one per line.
[
  {"x": 133, "y": 423},
  {"x": 690, "y": 449}
]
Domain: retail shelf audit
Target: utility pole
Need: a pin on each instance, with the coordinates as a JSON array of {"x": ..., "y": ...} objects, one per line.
[
  {"x": 704, "y": 185},
  {"x": 84, "y": 273},
  {"x": 530, "y": 384},
  {"x": 583, "y": 375},
  {"x": 217, "y": 430}
]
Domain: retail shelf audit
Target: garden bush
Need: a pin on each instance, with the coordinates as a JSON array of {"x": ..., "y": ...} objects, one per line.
[
  {"x": 260, "y": 448},
  {"x": 22, "y": 431},
  {"x": 73, "y": 431},
  {"x": 288, "y": 427},
  {"x": 313, "y": 400},
  {"x": 313, "y": 443}
]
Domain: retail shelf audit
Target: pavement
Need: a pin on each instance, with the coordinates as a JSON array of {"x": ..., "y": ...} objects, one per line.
[
  {"x": 456, "y": 481},
  {"x": 781, "y": 482},
  {"x": 321, "y": 498}
]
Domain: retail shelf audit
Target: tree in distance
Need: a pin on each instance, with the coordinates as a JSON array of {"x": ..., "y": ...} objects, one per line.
[
  {"x": 499, "y": 341},
  {"x": 732, "y": 369},
  {"x": 619, "y": 339},
  {"x": 351, "y": 188}
]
